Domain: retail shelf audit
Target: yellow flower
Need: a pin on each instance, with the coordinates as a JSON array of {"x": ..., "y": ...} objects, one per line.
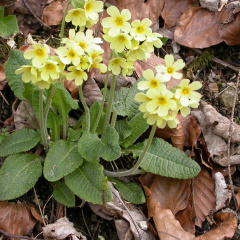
[
  {"x": 129, "y": 70},
  {"x": 96, "y": 64},
  {"x": 84, "y": 63},
  {"x": 140, "y": 30},
  {"x": 161, "y": 101},
  {"x": 154, "y": 118},
  {"x": 171, "y": 68},
  {"x": 78, "y": 74},
  {"x": 138, "y": 53},
  {"x": 92, "y": 8},
  {"x": 71, "y": 53},
  {"x": 119, "y": 42},
  {"x": 43, "y": 84},
  {"x": 186, "y": 93},
  {"x": 29, "y": 73},
  {"x": 77, "y": 16},
  {"x": 153, "y": 82},
  {"x": 49, "y": 70},
  {"x": 152, "y": 41},
  {"x": 116, "y": 64},
  {"x": 144, "y": 99},
  {"x": 61, "y": 66},
  {"x": 117, "y": 22},
  {"x": 94, "y": 53},
  {"x": 39, "y": 54}
]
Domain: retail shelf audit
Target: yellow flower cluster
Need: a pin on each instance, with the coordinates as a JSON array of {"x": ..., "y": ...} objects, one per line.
[
  {"x": 81, "y": 52},
  {"x": 161, "y": 105},
  {"x": 86, "y": 14},
  {"x": 129, "y": 42},
  {"x": 44, "y": 69}
]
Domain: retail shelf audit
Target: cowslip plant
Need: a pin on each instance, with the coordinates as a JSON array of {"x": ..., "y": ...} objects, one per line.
[{"x": 73, "y": 159}]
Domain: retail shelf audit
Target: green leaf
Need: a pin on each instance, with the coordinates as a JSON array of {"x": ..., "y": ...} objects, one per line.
[
  {"x": 94, "y": 109},
  {"x": 91, "y": 147},
  {"x": 63, "y": 194},
  {"x": 138, "y": 126},
  {"x": 86, "y": 183},
  {"x": 165, "y": 160},
  {"x": 19, "y": 141},
  {"x": 74, "y": 134},
  {"x": 8, "y": 25},
  {"x": 131, "y": 192},
  {"x": 18, "y": 175},
  {"x": 15, "y": 61},
  {"x": 124, "y": 130},
  {"x": 119, "y": 100},
  {"x": 62, "y": 159}
]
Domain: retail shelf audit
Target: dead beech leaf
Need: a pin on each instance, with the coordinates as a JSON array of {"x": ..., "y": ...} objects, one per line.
[
  {"x": 173, "y": 10},
  {"x": 203, "y": 196},
  {"x": 91, "y": 92},
  {"x": 3, "y": 81},
  {"x": 237, "y": 196},
  {"x": 72, "y": 88},
  {"x": 17, "y": 218},
  {"x": 225, "y": 227},
  {"x": 168, "y": 227},
  {"x": 215, "y": 128},
  {"x": 61, "y": 229},
  {"x": 53, "y": 13},
  {"x": 198, "y": 28},
  {"x": 230, "y": 31}
]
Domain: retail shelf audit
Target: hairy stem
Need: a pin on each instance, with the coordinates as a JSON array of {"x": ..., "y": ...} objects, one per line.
[
  {"x": 87, "y": 112},
  {"x": 134, "y": 169}
]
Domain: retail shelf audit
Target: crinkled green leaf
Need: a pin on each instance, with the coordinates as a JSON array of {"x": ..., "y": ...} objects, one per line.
[
  {"x": 124, "y": 130},
  {"x": 18, "y": 175},
  {"x": 131, "y": 192},
  {"x": 74, "y": 134},
  {"x": 165, "y": 160},
  {"x": 62, "y": 159},
  {"x": 8, "y": 25},
  {"x": 91, "y": 147},
  {"x": 19, "y": 141},
  {"x": 15, "y": 61},
  {"x": 63, "y": 194},
  {"x": 87, "y": 183}
]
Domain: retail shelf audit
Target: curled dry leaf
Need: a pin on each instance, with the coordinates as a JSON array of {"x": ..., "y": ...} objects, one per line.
[
  {"x": 198, "y": 28},
  {"x": 226, "y": 224},
  {"x": 24, "y": 116},
  {"x": 3, "y": 81},
  {"x": 222, "y": 193},
  {"x": 17, "y": 218},
  {"x": 72, "y": 88},
  {"x": 119, "y": 208},
  {"x": 91, "y": 92},
  {"x": 203, "y": 196},
  {"x": 121, "y": 81},
  {"x": 173, "y": 10},
  {"x": 230, "y": 31},
  {"x": 215, "y": 128},
  {"x": 53, "y": 13},
  {"x": 61, "y": 229},
  {"x": 237, "y": 196}
]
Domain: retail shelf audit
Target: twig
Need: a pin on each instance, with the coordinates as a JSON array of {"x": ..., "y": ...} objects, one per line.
[
  {"x": 4, "y": 98},
  {"x": 9, "y": 235},
  {"x": 134, "y": 223},
  {"x": 30, "y": 10},
  {"x": 229, "y": 138}
]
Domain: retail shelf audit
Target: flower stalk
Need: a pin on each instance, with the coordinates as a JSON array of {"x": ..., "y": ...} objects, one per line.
[{"x": 85, "y": 108}]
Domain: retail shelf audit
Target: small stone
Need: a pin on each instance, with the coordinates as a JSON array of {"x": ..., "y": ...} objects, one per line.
[{"x": 226, "y": 97}]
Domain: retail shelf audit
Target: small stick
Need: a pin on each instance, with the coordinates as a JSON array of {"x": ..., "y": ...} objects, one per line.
[
  {"x": 39, "y": 20},
  {"x": 229, "y": 138},
  {"x": 4, "y": 98},
  {"x": 9, "y": 235}
]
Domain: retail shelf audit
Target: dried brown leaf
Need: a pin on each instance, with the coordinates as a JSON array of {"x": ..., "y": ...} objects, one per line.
[
  {"x": 226, "y": 225},
  {"x": 203, "y": 196},
  {"x": 173, "y": 10},
  {"x": 53, "y": 13},
  {"x": 168, "y": 227},
  {"x": 16, "y": 218},
  {"x": 237, "y": 196},
  {"x": 198, "y": 28},
  {"x": 230, "y": 31},
  {"x": 3, "y": 81},
  {"x": 215, "y": 128},
  {"x": 91, "y": 92},
  {"x": 72, "y": 88}
]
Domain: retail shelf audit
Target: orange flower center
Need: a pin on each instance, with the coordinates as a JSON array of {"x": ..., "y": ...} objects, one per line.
[
  {"x": 140, "y": 29},
  {"x": 71, "y": 54},
  {"x": 170, "y": 70},
  {"x": 162, "y": 100},
  {"x": 88, "y": 6},
  {"x": 76, "y": 13},
  {"x": 119, "y": 21},
  {"x": 185, "y": 91},
  {"x": 39, "y": 52},
  {"x": 153, "y": 84}
]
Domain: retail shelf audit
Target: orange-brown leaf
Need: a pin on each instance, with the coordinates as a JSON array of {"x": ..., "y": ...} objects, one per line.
[
  {"x": 16, "y": 218},
  {"x": 198, "y": 28},
  {"x": 203, "y": 196},
  {"x": 226, "y": 225}
]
